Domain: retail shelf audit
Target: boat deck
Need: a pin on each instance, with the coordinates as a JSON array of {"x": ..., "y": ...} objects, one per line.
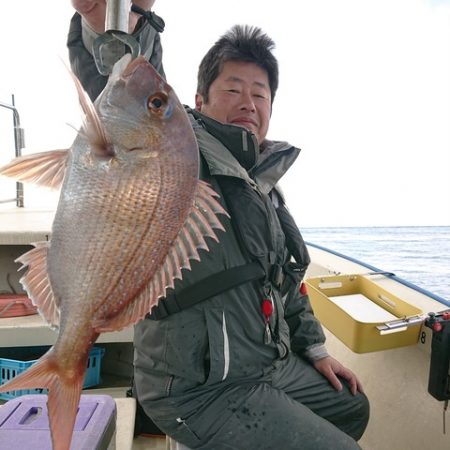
[{"x": 395, "y": 380}]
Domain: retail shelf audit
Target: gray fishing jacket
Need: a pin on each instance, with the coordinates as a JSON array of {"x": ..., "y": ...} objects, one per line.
[{"x": 223, "y": 338}]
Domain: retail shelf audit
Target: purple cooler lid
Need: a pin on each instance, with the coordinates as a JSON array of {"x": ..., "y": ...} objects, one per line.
[{"x": 24, "y": 423}]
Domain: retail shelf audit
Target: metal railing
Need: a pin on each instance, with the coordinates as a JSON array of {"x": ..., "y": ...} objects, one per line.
[{"x": 19, "y": 142}]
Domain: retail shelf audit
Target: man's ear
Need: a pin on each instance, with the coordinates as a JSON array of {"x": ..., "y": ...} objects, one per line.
[{"x": 198, "y": 102}]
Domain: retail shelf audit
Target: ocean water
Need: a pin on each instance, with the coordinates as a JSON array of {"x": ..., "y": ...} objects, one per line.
[{"x": 420, "y": 255}]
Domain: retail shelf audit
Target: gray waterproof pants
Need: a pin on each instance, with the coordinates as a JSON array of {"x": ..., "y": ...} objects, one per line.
[{"x": 291, "y": 406}]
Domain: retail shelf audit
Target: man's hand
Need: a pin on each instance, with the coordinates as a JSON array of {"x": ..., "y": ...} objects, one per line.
[
  {"x": 330, "y": 368},
  {"x": 94, "y": 12}
]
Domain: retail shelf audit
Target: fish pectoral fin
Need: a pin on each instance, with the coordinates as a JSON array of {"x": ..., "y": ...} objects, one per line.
[
  {"x": 45, "y": 168},
  {"x": 37, "y": 284},
  {"x": 200, "y": 223}
]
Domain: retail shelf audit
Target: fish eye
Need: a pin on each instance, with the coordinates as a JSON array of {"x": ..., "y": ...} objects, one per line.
[{"x": 156, "y": 102}]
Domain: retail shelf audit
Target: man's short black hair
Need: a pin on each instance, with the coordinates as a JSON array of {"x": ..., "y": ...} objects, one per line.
[{"x": 240, "y": 43}]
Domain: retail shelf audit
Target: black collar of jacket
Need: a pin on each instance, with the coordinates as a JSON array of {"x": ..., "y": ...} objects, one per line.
[{"x": 241, "y": 143}]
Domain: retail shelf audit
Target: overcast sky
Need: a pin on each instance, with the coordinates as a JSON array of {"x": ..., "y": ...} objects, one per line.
[{"x": 364, "y": 92}]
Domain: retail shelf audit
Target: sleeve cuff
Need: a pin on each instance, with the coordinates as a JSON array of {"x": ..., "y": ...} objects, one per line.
[{"x": 316, "y": 352}]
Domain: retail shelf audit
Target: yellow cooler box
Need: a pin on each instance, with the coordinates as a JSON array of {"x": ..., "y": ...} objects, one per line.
[{"x": 353, "y": 306}]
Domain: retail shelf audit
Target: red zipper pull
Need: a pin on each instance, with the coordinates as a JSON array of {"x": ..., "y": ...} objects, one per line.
[
  {"x": 267, "y": 310},
  {"x": 303, "y": 288}
]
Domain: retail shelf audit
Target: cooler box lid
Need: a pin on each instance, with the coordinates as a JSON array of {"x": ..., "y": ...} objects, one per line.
[{"x": 24, "y": 423}]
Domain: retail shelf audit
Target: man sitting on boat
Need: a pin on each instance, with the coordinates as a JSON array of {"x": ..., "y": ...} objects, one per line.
[{"x": 234, "y": 358}]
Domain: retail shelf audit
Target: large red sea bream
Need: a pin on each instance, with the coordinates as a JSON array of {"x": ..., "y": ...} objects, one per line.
[{"x": 131, "y": 214}]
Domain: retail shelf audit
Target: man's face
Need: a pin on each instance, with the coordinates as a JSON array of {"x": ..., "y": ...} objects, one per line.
[{"x": 240, "y": 95}]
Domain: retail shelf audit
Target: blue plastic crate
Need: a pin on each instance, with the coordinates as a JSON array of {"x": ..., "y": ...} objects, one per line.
[{"x": 10, "y": 368}]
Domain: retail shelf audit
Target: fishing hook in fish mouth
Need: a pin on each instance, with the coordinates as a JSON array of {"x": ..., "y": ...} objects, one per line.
[
  {"x": 107, "y": 38},
  {"x": 116, "y": 29}
]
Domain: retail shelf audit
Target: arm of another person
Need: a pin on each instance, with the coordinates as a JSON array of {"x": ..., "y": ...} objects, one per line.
[
  {"x": 308, "y": 340},
  {"x": 88, "y": 23}
]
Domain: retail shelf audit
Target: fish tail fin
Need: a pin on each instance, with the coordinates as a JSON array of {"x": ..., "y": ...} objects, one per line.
[
  {"x": 39, "y": 375},
  {"x": 63, "y": 397},
  {"x": 63, "y": 400}
]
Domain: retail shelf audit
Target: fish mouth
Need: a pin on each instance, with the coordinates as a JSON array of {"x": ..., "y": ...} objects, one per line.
[
  {"x": 141, "y": 78},
  {"x": 134, "y": 65}
]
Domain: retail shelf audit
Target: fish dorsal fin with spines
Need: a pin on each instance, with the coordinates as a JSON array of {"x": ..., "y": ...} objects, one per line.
[
  {"x": 200, "y": 223},
  {"x": 92, "y": 128},
  {"x": 45, "y": 168},
  {"x": 37, "y": 283},
  {"x": 48, "y": 168}
]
